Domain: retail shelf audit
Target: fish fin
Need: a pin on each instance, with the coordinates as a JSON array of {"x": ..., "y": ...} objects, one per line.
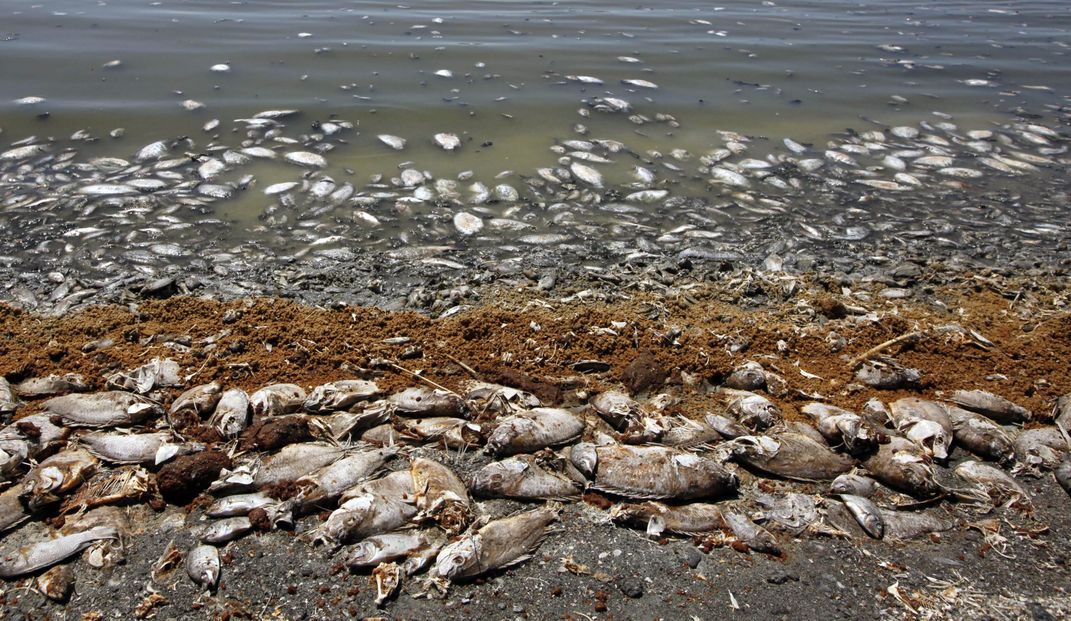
[
  {"x": 628, "y": 493},
  {"x": 655, "y": 526}
]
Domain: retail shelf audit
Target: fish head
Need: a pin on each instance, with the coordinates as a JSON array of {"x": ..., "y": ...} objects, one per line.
[
  {"x": 458, "y": 558},
  {"x": 932, "y": 437},
  {"x": 343, "y": 522},
  {"x": 758, "y": 412},
  {"x": 498, "y": 476},
  {"x": 585, "y": 457},
  {"x": 364, "y": 553}
]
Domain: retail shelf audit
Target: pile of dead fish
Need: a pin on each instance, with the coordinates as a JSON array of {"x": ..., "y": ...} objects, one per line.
[
  {"x": 404, "y": 476},
  {"x": 146, "y": 210}
]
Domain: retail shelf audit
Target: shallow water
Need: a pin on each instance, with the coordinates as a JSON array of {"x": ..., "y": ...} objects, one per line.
[{"x": 813, "y": 71}]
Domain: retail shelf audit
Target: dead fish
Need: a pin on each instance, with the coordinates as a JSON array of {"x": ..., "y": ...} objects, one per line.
[
  {"x": 792, "y": 512},
  {"x": 27, "y": 560},
  {"x": 901, "y": 466},
  {"x": 393, "y": 142},
  {"x": 791, "y": 456},
  {"x": 617, "y": 409},
  {"x": 12, "y": 511},
  {"x": 452, "y": 433},
  {"x": 231, "y": 416},
  {"x": 485, "y": 396},
  {"x": 926, "y": 423},
  {"x": 865, "y": 513},
  {"x": 102, "y": 409},
  {"x": 226, "y": 529},
  {"x": 903, "y": 525},
  {"x": 980, "y": 435},
  {"x": 152, "y": 151},
  {"x": 886, "y": 374},
  {"x": 684, "y": 432},
  {"x": 238, "y": 504},
  {"x": 652, "y": 472},
  {"x": 440, "y": 495},
  {"x": 426, "y": 402},
  {"x": 446, "y": 141},
  {"x": 392, "y": 547},
  {"x": 52, "y": 479},
  {"x": 640, "y": 83},
  {"x": 1062, "y": 474},
  {"x": 853, "y": 484},
  {"x": 841, "y": 427},
  {"x": 365, "y": 515},
  {"x": 198, "y": 401},
  {"x": 126, "y": 448},
  {"x": 467, "y": 224},
  {"x": 657, "y": 518},
  {"x": 157, "y": 373},
  {"x": 387, "y": 579},
  {"x": 203, "y": 566},
  {"x": 752, "y": 535},
  {"x": 277, "y": 400},
  {"x": 586, "y": 174},
  {"x": 295, "y": 461},
  {"x": 340, "y": 395},
  {"x": 987, "y": 404},
  {"x": 306, "y": 158},
  {"x": 326, "y": 484},
  {"x": 51, "y": 385},
  {"x": 749, "y": 376},
  {"x": 8, "y": 401},
  {"x": 752, "y": 410},
  {"x": 729, "y": 177},
  {"x": 500, "y": 544},
  {"x": 994, "y": 482},
  {"x": 534, "y": 430},
  {"x": 726, "y": 426},
  {"x": 524, "y": 477},
  {"x": 1044, "y": 448}
]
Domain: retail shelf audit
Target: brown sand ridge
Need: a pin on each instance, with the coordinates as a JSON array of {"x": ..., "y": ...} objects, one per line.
[{"x": 534, "y": 343}]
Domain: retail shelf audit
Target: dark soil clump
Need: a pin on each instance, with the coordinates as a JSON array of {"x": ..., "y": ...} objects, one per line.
[{"x": 183, "y": 478}]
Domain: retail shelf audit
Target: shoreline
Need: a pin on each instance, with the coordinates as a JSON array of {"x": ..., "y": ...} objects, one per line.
[{"x": 1014, "y": 340}]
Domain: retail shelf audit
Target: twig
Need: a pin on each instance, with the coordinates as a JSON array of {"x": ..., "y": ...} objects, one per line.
[
  {"x": 903, "y": 338},
  {"x": 464, "y": 366},
  {"x": 398, "y": 367}
]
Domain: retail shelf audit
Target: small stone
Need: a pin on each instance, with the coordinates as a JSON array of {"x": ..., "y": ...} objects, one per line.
[
  {"x": 781, "y": 577},
  {"x": 630, "y": 587},
  {"x": 692, "y": 556}
]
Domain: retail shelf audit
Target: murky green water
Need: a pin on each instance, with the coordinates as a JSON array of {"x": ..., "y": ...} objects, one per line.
[{"x": 513, "y": 80}]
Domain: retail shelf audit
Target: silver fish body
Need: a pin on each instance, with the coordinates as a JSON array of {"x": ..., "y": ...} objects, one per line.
[
  {"x": 198, "y": 401},
  {"x": 393, "y": 546},
  {"x": 534, "y": 430},
  {"x": 901, "y": 466},
  {"x": 203, "y": 566},
  {"x": 277, "y": 399},
  {"x": 752, "y": 535},
  {"x": 424, "y": 402},
  {"x": 238, "y": 505},
  {"x": 340, "y": 395},
  {"x": 294, "y": 461},
  {"x": 652, "y": 472},
  {"x": 501, "y": 543},
  {"x": 866, "y": 514},
  {"x": 231, "y": 416},
  {"x": 658, "y": 518},
  {"x": 995, "y": 407},
  {"x": 980, "y": 435},
  {"x": 523, "y": 477},
  {"x": 119, "y": 448},
  {"x": 227, "y": 529},
  {"x": 51, "y": 385},
  {"x": 101, "y": 409},
  {"x": 791, "y": 456},
  {"x": 32, "y": 558}
]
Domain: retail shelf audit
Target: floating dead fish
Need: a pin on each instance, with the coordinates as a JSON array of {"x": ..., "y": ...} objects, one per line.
[
  {"x": 586, "y": 174},
  {"x": 652, "y": 472},
  {"x": 305, "y": 158},
  {"x": 500, "y": 544},
  {"x": 534, "y": 430},
  {"x": 15, "y": 563},
  {"x": 467, "y": 224},
  {"x": 448, "y": 142},
  {"x": 393, "y": 142}
]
